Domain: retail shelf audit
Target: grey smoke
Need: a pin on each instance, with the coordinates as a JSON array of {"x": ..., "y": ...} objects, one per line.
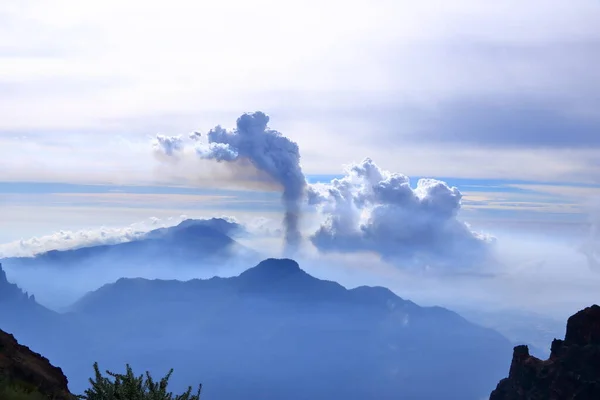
[
  {"x": 252, "y": 141},
  {"x": 195, "y": 135}
]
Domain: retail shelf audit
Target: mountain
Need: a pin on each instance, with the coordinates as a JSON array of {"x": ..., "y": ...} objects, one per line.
[
  {"x": 190, "y": 243},
  {"x": 35, "y": 325},
  {"x": 19, "y": 310},
  {"x": 571, "y": 372},
  {"x": 276, "y": 332},
  {"x": 24, "y": 370}
]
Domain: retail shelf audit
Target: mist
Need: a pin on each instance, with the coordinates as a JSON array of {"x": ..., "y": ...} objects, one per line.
[{"x": 526, "y": 283}]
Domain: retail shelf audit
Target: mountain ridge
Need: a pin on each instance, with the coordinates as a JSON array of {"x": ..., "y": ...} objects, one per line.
[
  {"x": 189, "y": 240},
  {"x": 571, "y": 372},
  {"x": 267, "y": 329}
]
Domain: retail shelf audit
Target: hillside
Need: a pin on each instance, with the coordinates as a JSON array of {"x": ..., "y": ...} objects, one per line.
[
  {"x": 278, "y": 332},
  {"x": 24, "y": 372}
]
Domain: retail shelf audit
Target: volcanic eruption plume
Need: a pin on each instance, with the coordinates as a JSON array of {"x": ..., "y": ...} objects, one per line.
[{"x": 253, "y": 144}]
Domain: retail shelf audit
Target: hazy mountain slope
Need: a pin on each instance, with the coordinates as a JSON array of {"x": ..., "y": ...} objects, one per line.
[
  {"x": 277, "y": 332},
  {"x": 190, "y": 243},
  {"x": 20, "y": 311}
]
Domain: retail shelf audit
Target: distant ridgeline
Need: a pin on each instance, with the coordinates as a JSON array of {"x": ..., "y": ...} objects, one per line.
[{"x": 274, "y": 331}]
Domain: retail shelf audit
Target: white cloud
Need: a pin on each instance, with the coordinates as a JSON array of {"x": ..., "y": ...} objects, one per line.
[
  {"x": 371, "y": 209},
  {"x": 255, "y": 228},
  {"x": 66, "y": 240}
]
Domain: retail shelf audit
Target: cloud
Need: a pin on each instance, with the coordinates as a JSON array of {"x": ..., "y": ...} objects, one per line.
[
  {"x": 250, "y": 228},
  {"x": 509, "y": 122},
  {"x": 528, "y": 63},
  {"x": 371, "y": 209},
  {"x": 168, "y": 145},
  {"x": 66, "y": 240}
]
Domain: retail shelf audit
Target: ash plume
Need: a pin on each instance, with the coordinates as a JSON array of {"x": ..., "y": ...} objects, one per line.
[{"x": 253, "y": 143}]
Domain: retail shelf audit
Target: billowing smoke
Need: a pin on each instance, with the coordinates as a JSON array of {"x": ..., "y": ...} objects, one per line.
[
  {"x": 195, "y": 135},
  {"x": 267, "y": 150},
  {"x": 371, "y": 209}
]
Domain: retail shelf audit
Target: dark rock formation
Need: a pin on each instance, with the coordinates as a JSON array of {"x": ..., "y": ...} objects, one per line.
[
  {"x": 23, "y": 368},
  {"x": 572, "y": 372}
]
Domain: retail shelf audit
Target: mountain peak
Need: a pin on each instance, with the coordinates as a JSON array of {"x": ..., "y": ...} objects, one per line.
[
  {"x": 583, "y": 328},
  {"x": 273, "y": 269}
]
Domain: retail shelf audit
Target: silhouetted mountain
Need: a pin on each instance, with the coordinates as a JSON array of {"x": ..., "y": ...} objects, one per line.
[
  {"x": 19, "y": 309},
  {"x": 35, "y": 325},
  {"x": 276, "y": 332},
  {"x": 201, "y": 227},
  {"x": 23, "y": 369},
  {"x": 192, "y": 242},
  {"x": 572, "y": 371}
]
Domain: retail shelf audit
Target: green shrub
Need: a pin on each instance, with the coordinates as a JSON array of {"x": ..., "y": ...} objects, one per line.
[
  {"x": 9, "y": 391},
  {"x": 131, "y": 387}
]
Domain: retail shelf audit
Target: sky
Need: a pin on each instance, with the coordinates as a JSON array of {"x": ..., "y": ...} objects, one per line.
[{"x": 499, "y": 100}]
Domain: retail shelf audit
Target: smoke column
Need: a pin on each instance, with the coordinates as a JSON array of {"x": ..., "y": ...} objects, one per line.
[{"x": 268, "y": 151}]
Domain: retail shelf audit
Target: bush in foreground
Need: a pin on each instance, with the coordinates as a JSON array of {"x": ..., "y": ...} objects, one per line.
[{"x": 128, "y": 386}]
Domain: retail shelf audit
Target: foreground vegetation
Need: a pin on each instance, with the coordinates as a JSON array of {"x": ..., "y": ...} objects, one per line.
[
  {"x": 10, "y": 391},
  {"x": 114, "y": 386}
]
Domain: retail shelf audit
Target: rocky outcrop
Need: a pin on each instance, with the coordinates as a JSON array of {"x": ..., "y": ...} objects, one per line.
[
  {"x": 572, "y": 372},
  {"x": 21, "y": 367}
]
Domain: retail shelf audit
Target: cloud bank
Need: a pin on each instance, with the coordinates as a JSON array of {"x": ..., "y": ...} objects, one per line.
[
  {"x": 374, "y": 210},
  {"x": 152, "y": 228},
  {"x": 68, "y": 240}
]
